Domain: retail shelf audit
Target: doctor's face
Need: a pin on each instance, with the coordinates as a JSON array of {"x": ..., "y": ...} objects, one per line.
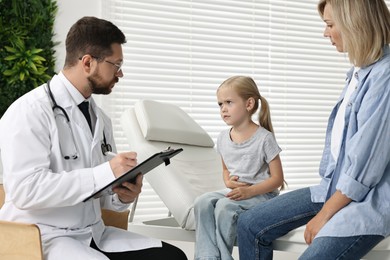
[{"x": 107, "y": 72}]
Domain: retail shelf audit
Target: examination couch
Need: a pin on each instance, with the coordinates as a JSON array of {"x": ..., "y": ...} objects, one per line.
[{"x": 152, "y": 126}]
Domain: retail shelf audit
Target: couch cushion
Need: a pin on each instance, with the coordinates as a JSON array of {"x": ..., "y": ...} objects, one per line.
[{"x": 178, "y": 127}]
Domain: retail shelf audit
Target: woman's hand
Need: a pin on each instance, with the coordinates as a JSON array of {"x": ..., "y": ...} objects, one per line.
[
  {"x": 314, "y": 226},
  {"x": 334, "y": 204}
]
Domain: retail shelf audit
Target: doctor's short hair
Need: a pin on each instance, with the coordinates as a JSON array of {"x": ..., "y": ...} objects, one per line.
[{"x": 93, "y": 36}]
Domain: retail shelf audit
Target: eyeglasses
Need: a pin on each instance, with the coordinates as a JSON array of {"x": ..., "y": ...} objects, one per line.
[{"x": 117, "y": 65}]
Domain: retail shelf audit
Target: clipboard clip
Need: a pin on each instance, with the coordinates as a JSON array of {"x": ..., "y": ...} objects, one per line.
[
  {"x": 168, "y": 149},
  {"x": 166, "y": 161}
]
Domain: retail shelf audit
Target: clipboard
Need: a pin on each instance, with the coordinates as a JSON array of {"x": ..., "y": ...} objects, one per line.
[{"x": 142, "y": 168}]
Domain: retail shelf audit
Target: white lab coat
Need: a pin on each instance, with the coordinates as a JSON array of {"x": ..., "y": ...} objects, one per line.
[{"x": 43, "y": 188}]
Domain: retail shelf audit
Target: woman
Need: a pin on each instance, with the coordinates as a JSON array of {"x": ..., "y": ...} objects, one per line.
[{"x": 347, "y": 214}]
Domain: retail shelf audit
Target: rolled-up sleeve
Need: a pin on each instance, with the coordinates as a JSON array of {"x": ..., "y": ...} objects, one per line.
[{"x": 367, "y": 152}]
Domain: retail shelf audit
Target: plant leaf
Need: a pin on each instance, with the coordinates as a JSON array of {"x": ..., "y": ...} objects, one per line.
[
  {"x": 35, "y": 51},
  {"x": 8, "y": 73},
  {"x": 32, "y": 66},
  {"x": 38, "y": 58},
  {"x": 10, "y": 49},
  {"x": 11, "y": 57}
]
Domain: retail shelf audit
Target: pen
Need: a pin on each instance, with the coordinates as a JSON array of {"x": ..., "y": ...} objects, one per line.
[{"x": 111, "y": 154}]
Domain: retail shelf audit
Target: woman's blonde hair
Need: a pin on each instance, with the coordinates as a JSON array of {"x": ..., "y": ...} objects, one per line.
[
  {"x": 246, "y": 88},
  {"x": 364, "y": 27}
]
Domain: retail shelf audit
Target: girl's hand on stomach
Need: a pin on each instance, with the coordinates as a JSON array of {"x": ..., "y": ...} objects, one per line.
[
  {"x": 240, "y": 193},
  {"x": 233, "y": 183}
]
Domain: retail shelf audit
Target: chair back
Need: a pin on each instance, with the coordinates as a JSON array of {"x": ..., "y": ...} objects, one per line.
[
  {"x": 2, "y": 195},
  {"x": 19, "y": 240}
]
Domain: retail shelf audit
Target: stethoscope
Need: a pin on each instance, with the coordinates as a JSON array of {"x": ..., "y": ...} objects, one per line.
[{"x": 69, "y": 149}]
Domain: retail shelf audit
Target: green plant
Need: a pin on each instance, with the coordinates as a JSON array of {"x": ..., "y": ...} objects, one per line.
[
  {"x": 25, "y": 63},
  {"x": 26, "y": 47}
]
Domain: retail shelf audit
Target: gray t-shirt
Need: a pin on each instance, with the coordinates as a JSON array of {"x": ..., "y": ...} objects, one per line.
[{"x": 248, "y": 160}]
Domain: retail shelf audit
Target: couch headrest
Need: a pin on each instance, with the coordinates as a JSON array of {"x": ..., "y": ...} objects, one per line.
[{"x": 168, "y": 123}]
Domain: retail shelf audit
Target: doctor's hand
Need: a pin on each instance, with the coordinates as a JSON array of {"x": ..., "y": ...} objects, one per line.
[
  {"x": 123, "y": 162},
  {"x": 128, "y": 191}
]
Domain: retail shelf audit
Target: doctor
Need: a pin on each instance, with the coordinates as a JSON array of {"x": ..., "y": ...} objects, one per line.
[{"x": 54, "y": 156}]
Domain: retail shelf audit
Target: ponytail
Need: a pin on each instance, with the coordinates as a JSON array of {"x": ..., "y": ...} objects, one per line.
[{"x": 265, "y": 115}]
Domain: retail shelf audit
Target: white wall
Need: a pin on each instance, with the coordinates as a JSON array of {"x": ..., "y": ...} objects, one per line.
[{"x": 69, "y": 11}]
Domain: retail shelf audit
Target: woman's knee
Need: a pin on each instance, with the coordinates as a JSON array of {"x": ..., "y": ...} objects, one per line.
[{"x": 242, "y": 222}]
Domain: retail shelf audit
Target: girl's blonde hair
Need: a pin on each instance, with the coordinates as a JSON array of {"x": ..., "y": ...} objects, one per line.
[
  {"x": 364, "y": 27},
  {"x": 246, "y": 88}
]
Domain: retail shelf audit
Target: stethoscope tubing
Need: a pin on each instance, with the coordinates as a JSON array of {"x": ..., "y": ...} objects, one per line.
[
  {"x": 55, "y": 105},
  {"x": 105, "y": 146}
]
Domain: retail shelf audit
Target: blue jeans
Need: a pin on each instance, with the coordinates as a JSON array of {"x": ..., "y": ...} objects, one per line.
[
  {"x": 264, "y": 223},
  {"x": 216, "y": 222}
]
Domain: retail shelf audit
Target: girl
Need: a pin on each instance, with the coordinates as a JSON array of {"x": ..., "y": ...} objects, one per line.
[
  {"x": 252, "y": 169},
  {"x": 347, "y": 214}
]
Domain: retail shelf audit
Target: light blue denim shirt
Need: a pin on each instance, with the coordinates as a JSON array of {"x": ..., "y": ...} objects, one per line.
[{"x": 363, "y": 165}]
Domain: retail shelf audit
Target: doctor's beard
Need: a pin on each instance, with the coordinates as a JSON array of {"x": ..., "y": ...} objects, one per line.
[{"x": 97, "y": 87}]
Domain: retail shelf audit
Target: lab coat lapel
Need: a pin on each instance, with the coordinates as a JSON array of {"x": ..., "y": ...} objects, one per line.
[
  {"x": 97, "y": 141},
  {"x": 64, "y": 99}
]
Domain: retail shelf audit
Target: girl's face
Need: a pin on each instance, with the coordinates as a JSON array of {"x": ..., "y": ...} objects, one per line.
[
  {"x": 331, "y": 30},
  {"x": 233, "y": 109}
]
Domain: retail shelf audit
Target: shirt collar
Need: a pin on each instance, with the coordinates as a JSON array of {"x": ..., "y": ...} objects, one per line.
[
  {"x": 74, "y": 93},
  {"x": 364, "y": 71}
]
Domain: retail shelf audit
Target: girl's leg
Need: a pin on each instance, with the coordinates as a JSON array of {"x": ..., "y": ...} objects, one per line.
[
  {"x": 204, "y": 209},
  {"x": 260, "y": 226},
  {"x": 339, "y": 248},
  {"x": 226, "y": 215}
]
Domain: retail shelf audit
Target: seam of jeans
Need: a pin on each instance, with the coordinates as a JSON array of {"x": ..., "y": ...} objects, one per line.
[
  {"x": 343, "y": 253},
  {"x": 312, "y": 213},
  {"x": 259, "y": 234},
  {"x": 347, "y": 250}
]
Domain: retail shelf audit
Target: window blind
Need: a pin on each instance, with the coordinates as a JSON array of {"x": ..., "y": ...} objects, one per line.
[{"x": 180, "y": 51}]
